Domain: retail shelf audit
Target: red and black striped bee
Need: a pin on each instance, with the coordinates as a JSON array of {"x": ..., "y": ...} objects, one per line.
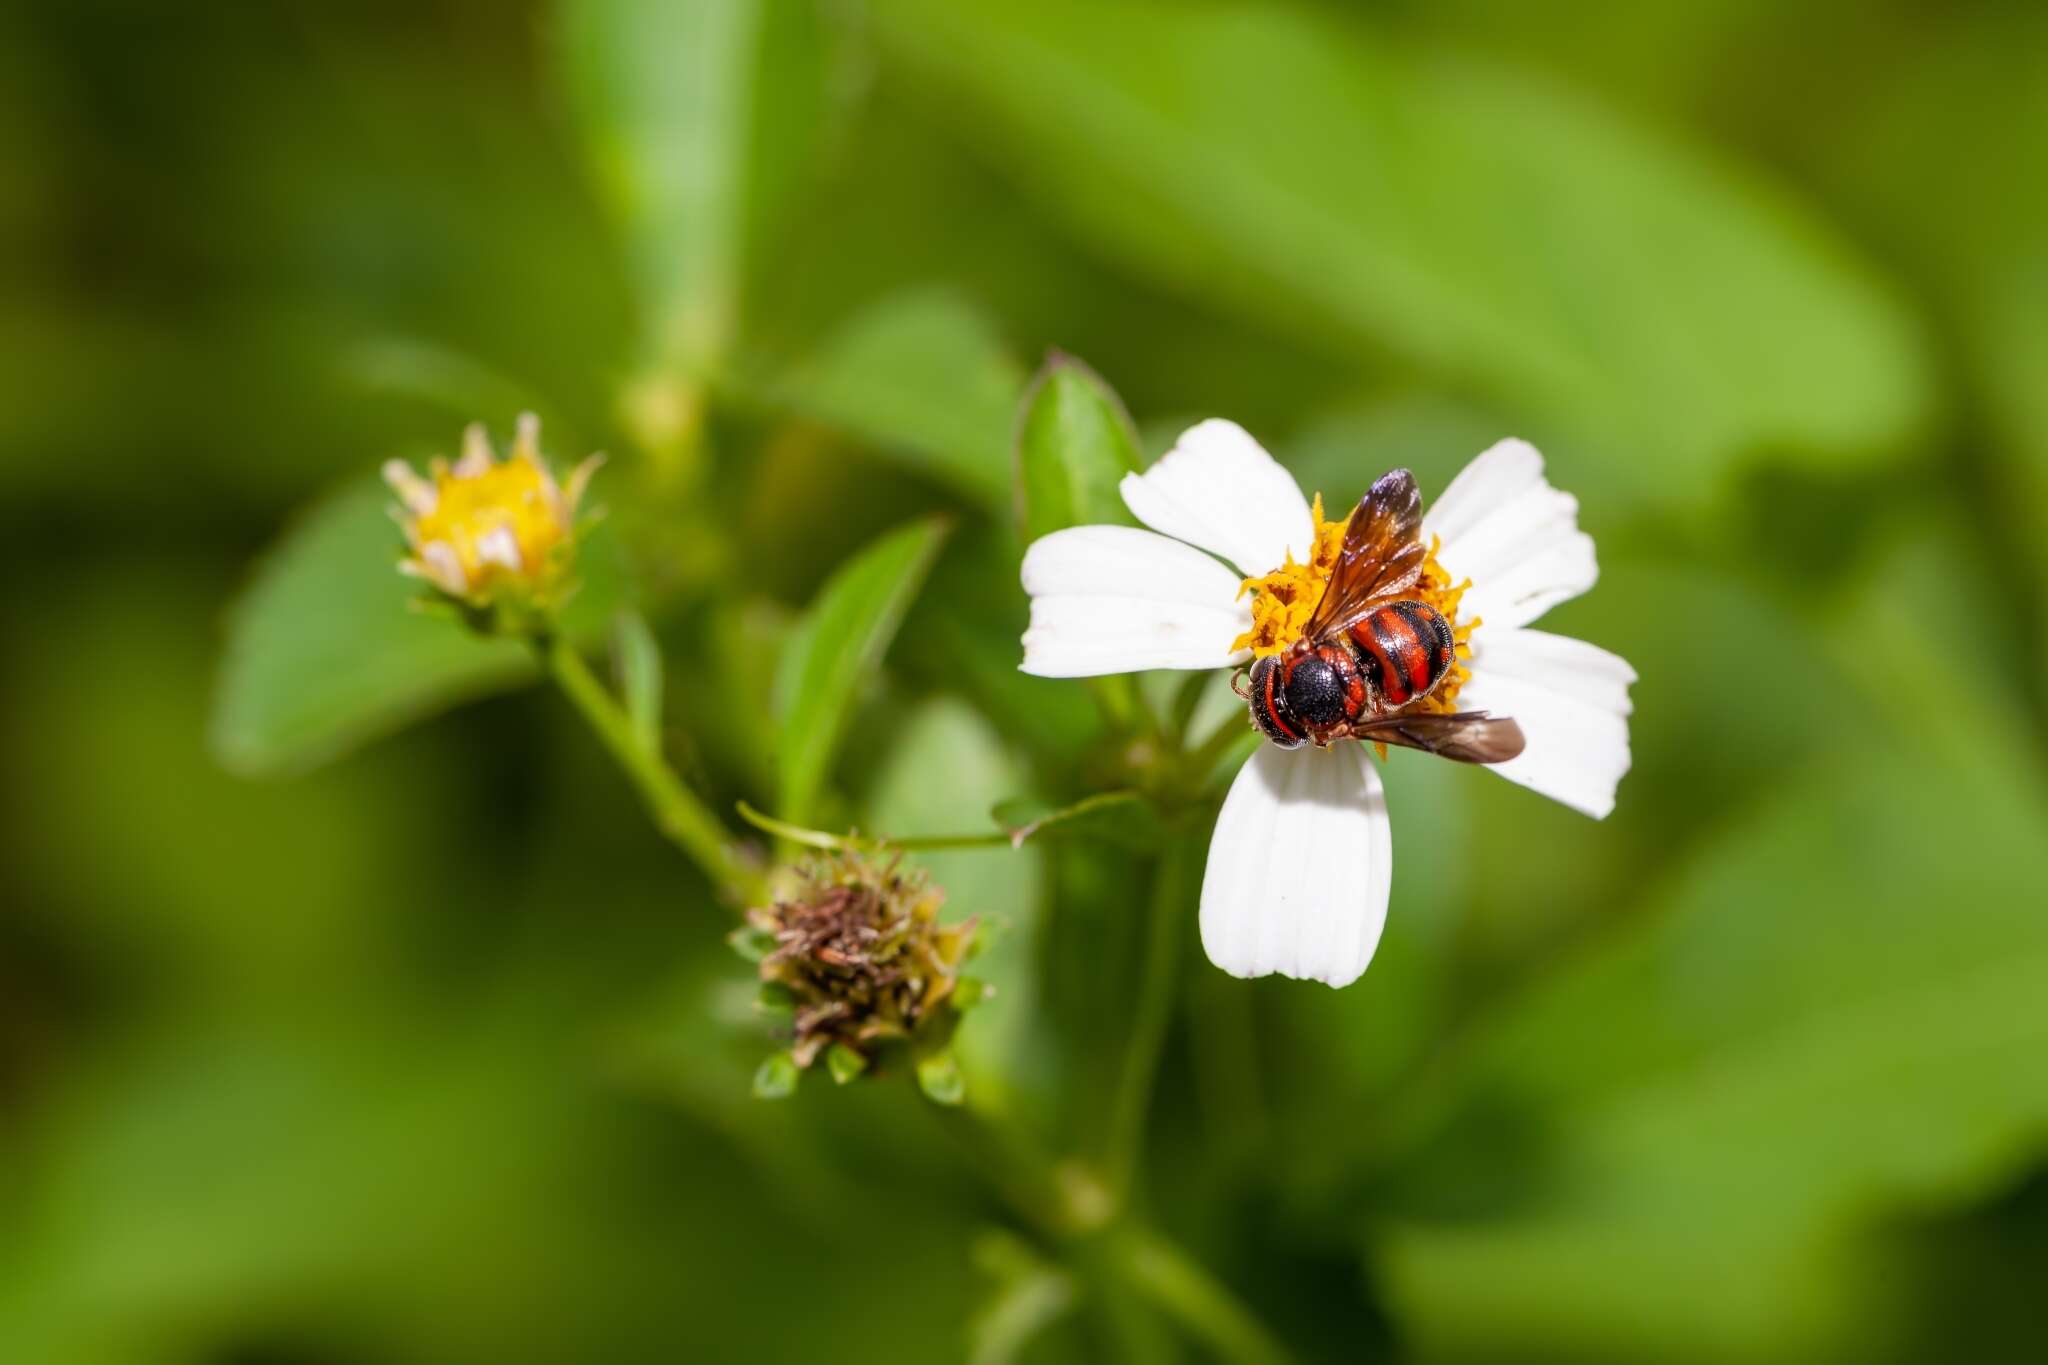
[{"x": 1369, "y": 652}]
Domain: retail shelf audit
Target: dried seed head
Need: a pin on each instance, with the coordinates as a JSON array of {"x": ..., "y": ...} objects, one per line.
[{"x": 857, "y": 953}]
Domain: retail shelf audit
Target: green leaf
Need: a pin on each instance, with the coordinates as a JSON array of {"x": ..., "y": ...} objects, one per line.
[
  {"x": 926, "y": 379},
  {"x": 1831, "y": 1012},
  {"x": 948, "y": 761},
  {"x": 1365, "y": 194},
  {"x": 327, "y": 647},
  {"x": 636, "y": 661},
  {"x": 1074, "y": 447},
  {"x": 835, "y": 649},
  {"x": 777, "y": 1077},
  {"x": 1125, "y": 819},
  {"x": 694, "y": 113}
]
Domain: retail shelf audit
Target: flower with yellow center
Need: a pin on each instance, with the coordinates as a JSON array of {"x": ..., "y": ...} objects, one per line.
[
  {"x": 1301, "y": 862},
  {"x": 1283, "y": 600},
  {"x": 486, "y": 530}
]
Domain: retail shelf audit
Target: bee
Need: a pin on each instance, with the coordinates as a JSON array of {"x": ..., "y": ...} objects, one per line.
[{"x": 1369, "y": 653}]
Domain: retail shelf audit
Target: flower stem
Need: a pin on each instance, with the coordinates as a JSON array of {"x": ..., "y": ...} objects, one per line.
[
  {"x": 1203, "y": 1305},
  {"x": 677, "y": 812},
  {"x": 1132, "y": 1100},
  {"x": 818, "y": 838}
]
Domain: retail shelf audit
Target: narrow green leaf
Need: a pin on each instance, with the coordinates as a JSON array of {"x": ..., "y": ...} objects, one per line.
[
  {"x": 1363, "y": 193},
  {"x": 836, "y": 648},
  {"x": 1125, "y": 819},
  {"x": 926, "y": 379},
  {"x": 1074, "y": 446},
  {"x": 327, "y": 646},
  {"x": 685, "y": 110},
  {"x": 636, "y": 662},
  {"x": 777, "y": 1077}
]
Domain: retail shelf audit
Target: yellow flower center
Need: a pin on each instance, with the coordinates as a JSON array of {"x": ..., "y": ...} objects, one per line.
[
  {"x": 1283, "y": 600},
  {"x": 513, "y": 495}
]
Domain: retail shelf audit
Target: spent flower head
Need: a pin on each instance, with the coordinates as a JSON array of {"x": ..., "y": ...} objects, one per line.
[
  {"x": 492, "y": 533},
  {"x": 855, "y": 951}
]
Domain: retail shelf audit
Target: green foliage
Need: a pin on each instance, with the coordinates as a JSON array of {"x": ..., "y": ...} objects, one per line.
[
  {"x": 926, "y": 379},
  {"x": 833, "y": 652},
  {"x": 692, "y": 111},
  {"x": 1074, "y": 447},
  {"x": 329, "y": 646},
  {"x": 636, "y": 660},
  {"x": 334, "y": 1070},
  {"x": 1471, "y": 218}
]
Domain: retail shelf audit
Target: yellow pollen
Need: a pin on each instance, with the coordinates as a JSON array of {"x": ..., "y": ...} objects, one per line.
[{"x": 1283, "y": 600}]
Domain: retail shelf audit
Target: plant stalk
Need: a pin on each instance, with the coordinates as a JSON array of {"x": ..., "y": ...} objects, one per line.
[{"x": 678, "y": 814}]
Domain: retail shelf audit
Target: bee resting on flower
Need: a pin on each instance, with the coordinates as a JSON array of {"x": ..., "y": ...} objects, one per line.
[
  {"x": 487, "y": 530},
  {"x": 1392, "y": 627}
]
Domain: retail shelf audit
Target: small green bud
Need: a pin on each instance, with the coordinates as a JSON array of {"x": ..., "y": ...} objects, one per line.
[
  {"x": 775, "y": 998},
  {"x": 844, "y": 1063},
  {"x": 776, "y": 1079},
  {"x": 970, "y": 991},
  {"x": 939, "y": 1077}
]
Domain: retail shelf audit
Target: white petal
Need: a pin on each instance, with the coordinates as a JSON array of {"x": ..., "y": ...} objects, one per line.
[
  {"x": 1217, "y": 488},
  {"x": 419, "y": 496},
  {"x": 1571, "y": 700},
  {"x": 1518, "y": 539},
  {"x": 1115, "y": 599},
  {"x": 476, "y": 452},
  {"x": 442, "y": 567},
  {"x": 499, "y": 546},
  {"x": 1299, "y": 866}
]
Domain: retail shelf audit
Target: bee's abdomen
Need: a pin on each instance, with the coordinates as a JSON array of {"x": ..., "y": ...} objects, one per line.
[{"x": 1404, "y": 648}]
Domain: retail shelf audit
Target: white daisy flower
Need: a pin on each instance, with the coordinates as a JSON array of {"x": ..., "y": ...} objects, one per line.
[{"x": 1234, "y": 563}]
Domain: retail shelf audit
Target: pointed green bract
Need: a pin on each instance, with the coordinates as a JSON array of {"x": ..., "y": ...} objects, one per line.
[{"x": 777, "y": 1078}]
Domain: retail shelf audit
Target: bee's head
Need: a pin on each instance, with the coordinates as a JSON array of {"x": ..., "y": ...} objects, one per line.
[{"x": 1270, "y": 710}]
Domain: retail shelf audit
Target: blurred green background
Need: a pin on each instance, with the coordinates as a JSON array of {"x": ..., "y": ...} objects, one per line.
[{"x": 432, "y": 1052}]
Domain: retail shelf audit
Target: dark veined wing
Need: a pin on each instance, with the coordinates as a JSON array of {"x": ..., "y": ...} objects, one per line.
[
  {"x": 1382, "y": 554},
  {"x": 1466, "y": 736}
]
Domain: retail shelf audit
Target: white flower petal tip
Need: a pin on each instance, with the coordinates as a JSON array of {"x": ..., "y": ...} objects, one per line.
[
  {"x": 1517, "y": 538},
  {"x": 1115, "y": 599},
  {"x": 1300, "y": 866},
  {"x": 1571, "y": 700},
  {"x": 1218, "y": 489}
]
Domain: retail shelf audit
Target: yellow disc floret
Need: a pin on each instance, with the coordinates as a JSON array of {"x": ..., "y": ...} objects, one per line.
[
  {"x": 486, "y": 528},
  {"x": 1283, "y": 600}
]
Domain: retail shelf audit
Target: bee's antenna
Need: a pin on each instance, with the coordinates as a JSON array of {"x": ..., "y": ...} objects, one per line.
[{"x": 1237, "y": 685}]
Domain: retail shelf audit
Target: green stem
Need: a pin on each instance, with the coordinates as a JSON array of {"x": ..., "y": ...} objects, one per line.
[
  {"x": 677, "y": 812},
  {"x": 1120, "y": 1248},
  {"x": 818, "y": 838},
  {"x": 1132, "y": 1100},
  {"x": 1202, "y": 1304}
]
